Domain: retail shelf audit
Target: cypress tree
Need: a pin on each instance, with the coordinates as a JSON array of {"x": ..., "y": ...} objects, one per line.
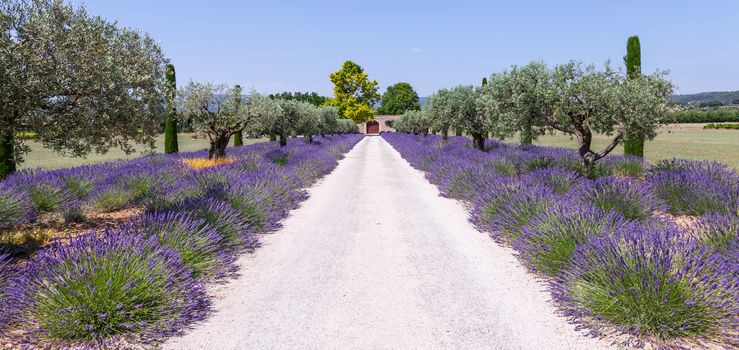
[
  {"x": 633, "y": 145},
  {"x": 239, "y": 135},
  {"x": 7, "y": 158},
  {"x": 170, "y": 124},
  {"x": 484, "y": 81}
]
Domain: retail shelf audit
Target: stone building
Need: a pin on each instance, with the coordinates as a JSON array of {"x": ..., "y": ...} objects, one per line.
[{"x": 378, "y": 125}]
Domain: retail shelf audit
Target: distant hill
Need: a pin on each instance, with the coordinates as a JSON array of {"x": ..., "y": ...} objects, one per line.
[{"x": 707, "y": 99}]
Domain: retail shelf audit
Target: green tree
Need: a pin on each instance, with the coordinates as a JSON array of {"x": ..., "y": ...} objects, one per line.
[
  {"x": 439, "y": 111},
  {"x": 170, "y": 125},
  {"x": 465, "y": 109},
  {"x": 329, "y": 117},
  {"x": 309, "y": 121},
  {"x": 581, "y": 101},
  {"x": 310, "y": 97},
  {"x": 399, "y": 98},
  {"x": 216, "y": 111},
  {"x": 519, "y": 100},
  {"x": 633, "y": 144},
  {"x": 81, "y": 83},
  {"x": 354, "y": 93},
  {"x": 484, "y": 82},
  {"x": 416, "y": 122},
  {"x": 239, "y": 135}
]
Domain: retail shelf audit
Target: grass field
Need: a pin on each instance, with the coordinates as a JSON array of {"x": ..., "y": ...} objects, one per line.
[
  {"x": 41, "y": 157},
  {"x": 689, "y": 141}
]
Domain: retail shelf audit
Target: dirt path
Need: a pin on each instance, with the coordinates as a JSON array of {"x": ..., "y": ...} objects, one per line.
[{"x": 375, "y": 259}]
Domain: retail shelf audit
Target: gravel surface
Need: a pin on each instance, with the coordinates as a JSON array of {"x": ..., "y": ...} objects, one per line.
[{"x": 376, "y": 259}]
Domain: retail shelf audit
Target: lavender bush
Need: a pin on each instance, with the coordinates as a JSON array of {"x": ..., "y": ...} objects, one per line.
[
  {"x": 504, "y": 207},
  {"x": 199, "y": 245},
  {"x": 719, "y": 232},
  {"x": 632, "y": 199},
  {"x": 15, "y": 208},
  {"x": 7, "y": 310},
  {"x": 559, "y": 180},
  {"x": 646, "y": 282},
  {"x": 695, "y": 193},
  {"x": 232, "y": 227},
  {"x": 548, "y": 241},
  {"x": 106, "y": 284}
]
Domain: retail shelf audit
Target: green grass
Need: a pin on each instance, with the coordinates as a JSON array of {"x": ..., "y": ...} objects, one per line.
[
  {"x": 41, "y": 157},
  {"x": 688, "y": 141}
]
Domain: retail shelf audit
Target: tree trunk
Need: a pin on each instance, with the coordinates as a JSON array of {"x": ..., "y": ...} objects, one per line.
[
  {"x": 586, "y": 154},
  {"x": 478, "y": 141},
  {"x": 218, "y": 147},
  {"x": 7, "y": 160},
  {"x": 445, "y": 134},
  {"x": 239, "y": 138},
  {"x": 309, "y": 138},
  {"x": 527, "y": 135},
  {"x": 283, "y": 140}
]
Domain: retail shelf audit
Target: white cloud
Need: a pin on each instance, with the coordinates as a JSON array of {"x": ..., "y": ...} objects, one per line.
[{"x": 417, "y": 50}]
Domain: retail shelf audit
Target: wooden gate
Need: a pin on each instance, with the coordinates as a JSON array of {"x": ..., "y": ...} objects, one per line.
[{"x": 373, "y": 127}]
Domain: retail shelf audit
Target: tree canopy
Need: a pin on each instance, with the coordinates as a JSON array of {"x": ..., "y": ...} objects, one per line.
[
  {"x": 439, "y": 111},
  {"x": 416, "y": 122},
  {"x": 581, "y": 101},
  {"x": 354, "y": 93},
  {"x": 79, "y": 82},
  {"x": 309, "y": 97},
  {"x": 399, "y": 98},
  {"x": 216, "y": 110}
]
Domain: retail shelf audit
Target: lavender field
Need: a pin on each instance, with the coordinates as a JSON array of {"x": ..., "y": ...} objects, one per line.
[
  {"x": 331, "y": 175},
  {"x": 644, "y": 252},
  {"x": 145, "y": 278}
]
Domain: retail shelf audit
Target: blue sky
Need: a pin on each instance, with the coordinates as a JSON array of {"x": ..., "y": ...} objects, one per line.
[{"x": 293, "y": 45}]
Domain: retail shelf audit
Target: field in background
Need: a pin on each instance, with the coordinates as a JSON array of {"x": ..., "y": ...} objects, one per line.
[
  {"x": 689, "y": 141},
  {"x": 41, "y": 157}
]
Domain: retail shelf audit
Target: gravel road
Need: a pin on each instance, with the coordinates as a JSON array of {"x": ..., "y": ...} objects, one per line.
[{"x": 376, "y": 259}]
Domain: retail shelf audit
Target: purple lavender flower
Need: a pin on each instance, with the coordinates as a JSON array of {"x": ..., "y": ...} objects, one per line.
[
  {"x": 632, "y": 199},
  {"x": 697, "y": 193},
  {"x": 65, "y": 289},
  {"x": 559, "y": 180},
  {"x": 201, "y": 247},
  {"x": 16, "y": 208},
  {"x": 719, "y": 232},
  {"x": 504, "y": 207},
  {"x": 646, "y": 281},
  {"x": 548, "y": 241}
]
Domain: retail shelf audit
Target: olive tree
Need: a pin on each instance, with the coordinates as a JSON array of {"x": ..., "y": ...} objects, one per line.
[
  {"x": 329, "y": 118},
  {"x": 416, "y": 122},
  {"x": 81, "y": 83},
  {"x": 347, "y": 126},
  {"x": 582, "y": 101},
  {"x": 439, "y": 112},
  {"x": 283, "y": 118},
  {"x": 519, "y": 100},
  {"x": 309, "y": 121},
  {"x": 216, "y": 110},
  {"x": 467, "y": 114}
]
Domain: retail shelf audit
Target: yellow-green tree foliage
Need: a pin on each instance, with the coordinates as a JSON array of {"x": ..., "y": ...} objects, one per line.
[{"x": 354, "y": 93}]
